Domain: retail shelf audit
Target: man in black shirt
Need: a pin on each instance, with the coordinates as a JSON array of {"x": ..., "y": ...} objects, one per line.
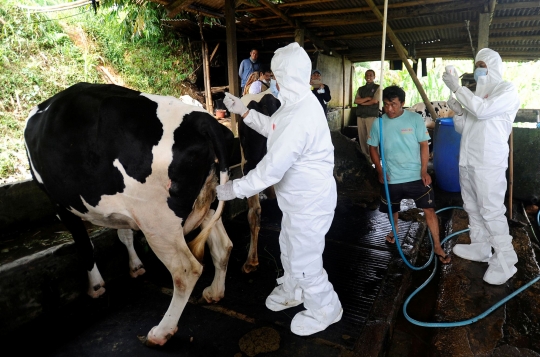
[{"x": 367, "y": 99}]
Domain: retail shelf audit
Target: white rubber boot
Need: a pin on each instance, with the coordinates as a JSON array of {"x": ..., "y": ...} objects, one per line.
[
  {"x": 308, "y": 322},
  {"x": 279, "y": 299},
  {"x": 479, "y": 250},
  {"x": 502, "y": 264}
]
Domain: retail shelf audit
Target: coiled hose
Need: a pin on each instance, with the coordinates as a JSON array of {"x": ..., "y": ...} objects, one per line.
[{"x": 431, "y": 256}]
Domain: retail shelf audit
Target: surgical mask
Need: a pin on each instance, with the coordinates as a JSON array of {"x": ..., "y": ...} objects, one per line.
[
  {"x": 273, "y": 88},
  {"x": 480, "y": 72}
]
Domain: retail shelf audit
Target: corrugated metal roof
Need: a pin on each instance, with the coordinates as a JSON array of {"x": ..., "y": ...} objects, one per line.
[{"x": 427, "y": 28}]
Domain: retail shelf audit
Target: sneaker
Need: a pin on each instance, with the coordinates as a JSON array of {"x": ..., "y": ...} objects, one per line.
[{"x": 280, "y": 299}]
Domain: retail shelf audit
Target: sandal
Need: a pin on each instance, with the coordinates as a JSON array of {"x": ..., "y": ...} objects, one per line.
[
  {"x": 442, "y": 259},
  {"x": 390, "y": 238}
]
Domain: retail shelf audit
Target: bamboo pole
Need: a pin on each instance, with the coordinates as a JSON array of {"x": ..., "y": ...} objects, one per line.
[
  {"x": 206, "y": 71},
  {"x": 402, "y": 54}
]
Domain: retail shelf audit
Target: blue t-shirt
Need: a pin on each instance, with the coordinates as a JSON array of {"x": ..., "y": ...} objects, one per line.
[{"x": 401, "y": 136}]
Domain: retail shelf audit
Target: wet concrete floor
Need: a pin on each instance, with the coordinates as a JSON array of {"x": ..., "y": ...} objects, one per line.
[
  {"x": 356, "y": 259},
  {"x": 360, "y": 266}
]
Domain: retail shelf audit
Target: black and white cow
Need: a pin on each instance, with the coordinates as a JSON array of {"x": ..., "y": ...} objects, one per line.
[
  {"x": 128, "y": 160},
  {"x": 253, "y": 149},
  {"x": 440, "y": 107}
]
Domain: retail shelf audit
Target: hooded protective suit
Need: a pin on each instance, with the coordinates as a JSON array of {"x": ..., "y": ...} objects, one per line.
[
  {"x": 485, "y": 126},
  {"x": 299, "y": 163}
]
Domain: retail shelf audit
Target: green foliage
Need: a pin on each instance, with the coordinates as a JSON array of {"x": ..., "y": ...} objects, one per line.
[
  {"x": 37, "y": 60},
  {"x": 43, "y": 53},
  {"x": 148, "y": 57}
]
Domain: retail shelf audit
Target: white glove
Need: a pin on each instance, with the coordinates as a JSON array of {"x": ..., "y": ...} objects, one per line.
[
  {"x": 226, "y": 192},
  {"x": 234, "y": 104},
  {"x": 451, "y": 81},
  {"x": 455, "y": 106}
]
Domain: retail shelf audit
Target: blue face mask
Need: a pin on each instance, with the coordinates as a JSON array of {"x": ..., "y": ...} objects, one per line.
[
  {"x": 273, "y": 87},
  {"x": 480, "y": 72}
]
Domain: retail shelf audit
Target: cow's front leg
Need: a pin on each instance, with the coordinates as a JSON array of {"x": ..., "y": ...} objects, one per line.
[
  {"x": 254, "y": 219},
  {"x": 136, "y": 267},
  {"x": 220, "y": 248},
  {"x": 185, "y": 271}
]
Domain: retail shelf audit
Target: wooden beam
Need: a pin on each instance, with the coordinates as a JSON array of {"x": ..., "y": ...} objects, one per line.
[
  {"x": 367, "y": 8},
  {"x": 214, "y": 52},
  {"x": 363, "y": 19},
  {"x": 379, "y": 33},
  {"x": 176, "y": 6},
  {"x": 296, "y": 24},
  {"x": 403, "y": 55},
  {"x": 342, "y": 20},
  {"x": 519, "y": 5},
  {"x": 511, "y": 19},
  {"x": 513, "y": 29},
  {"x": 270, "y": 37},
  {"x": 282, "y": 6},
  {"x": 232, "y": 58},
  {"x": 206, "y": 12},
  {"x": 161, "y": 2},
  {"x": 514, "y": 38},
  {"x": 362, "y": 9}
]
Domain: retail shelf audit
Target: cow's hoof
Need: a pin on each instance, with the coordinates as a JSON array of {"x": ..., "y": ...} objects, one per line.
[
  {"x": 96, "y": 291},
  {"x": 248, "y": 268},
  {"x": 153, "y": 341},
  {"x": 209, "y": 297},
  {"x": 137, "y": 271}
]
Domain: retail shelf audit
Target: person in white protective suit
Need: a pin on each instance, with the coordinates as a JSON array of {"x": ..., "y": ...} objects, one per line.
[
  {"x": 299, "y": 163},
  {"x": 484, "y": 119}
]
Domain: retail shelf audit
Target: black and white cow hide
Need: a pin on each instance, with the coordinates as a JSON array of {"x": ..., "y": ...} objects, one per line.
[
  {"x": 134, "y": 161},
  {"x": 440, "y": 107}
]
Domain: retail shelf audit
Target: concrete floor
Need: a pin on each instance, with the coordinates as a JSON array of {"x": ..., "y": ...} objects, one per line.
[
  {"x": 356, "y": 259},
  {"x": 368, "y": 275}
]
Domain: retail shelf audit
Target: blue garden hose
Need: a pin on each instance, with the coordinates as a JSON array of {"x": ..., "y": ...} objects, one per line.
[{"x": 391, "y": 217}]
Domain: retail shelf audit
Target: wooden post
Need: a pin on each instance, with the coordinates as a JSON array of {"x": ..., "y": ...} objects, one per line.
[
  {"x": 352, "y": 90},
  {"x": 232, "y": 60},
  {"x": 511, "y": 175},
  {"x": 206, "y": 71},
  {"x": 483, "y": 30},
  {"x": 299, "y": 37},
  {"x": 343, "y": 97},
  {"x": 403, "y": 56}
]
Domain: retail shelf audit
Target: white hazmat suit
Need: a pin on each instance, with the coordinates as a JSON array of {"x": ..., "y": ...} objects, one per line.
[
  {"x": 485, "y": 126},
  {"x": 299, "y": 163}
]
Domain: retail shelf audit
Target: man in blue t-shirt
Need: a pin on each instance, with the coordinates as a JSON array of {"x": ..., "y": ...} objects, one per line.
[{"x": 406, "y": 153}]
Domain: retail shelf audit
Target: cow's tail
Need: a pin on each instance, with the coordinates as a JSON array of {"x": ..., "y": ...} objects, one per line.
[
  {"x": 219, "y": 136},
  {"x": 197, "y": 245}
]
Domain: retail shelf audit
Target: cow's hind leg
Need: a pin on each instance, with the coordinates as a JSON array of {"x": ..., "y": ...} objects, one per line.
[
  {"x": 220, "y": 248},
  {"x": 85, "y": 249},
  {"x": 136, "y": 267},
  {"x": 185, "y": 271},
  {"x": 254, "y": 219}
]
